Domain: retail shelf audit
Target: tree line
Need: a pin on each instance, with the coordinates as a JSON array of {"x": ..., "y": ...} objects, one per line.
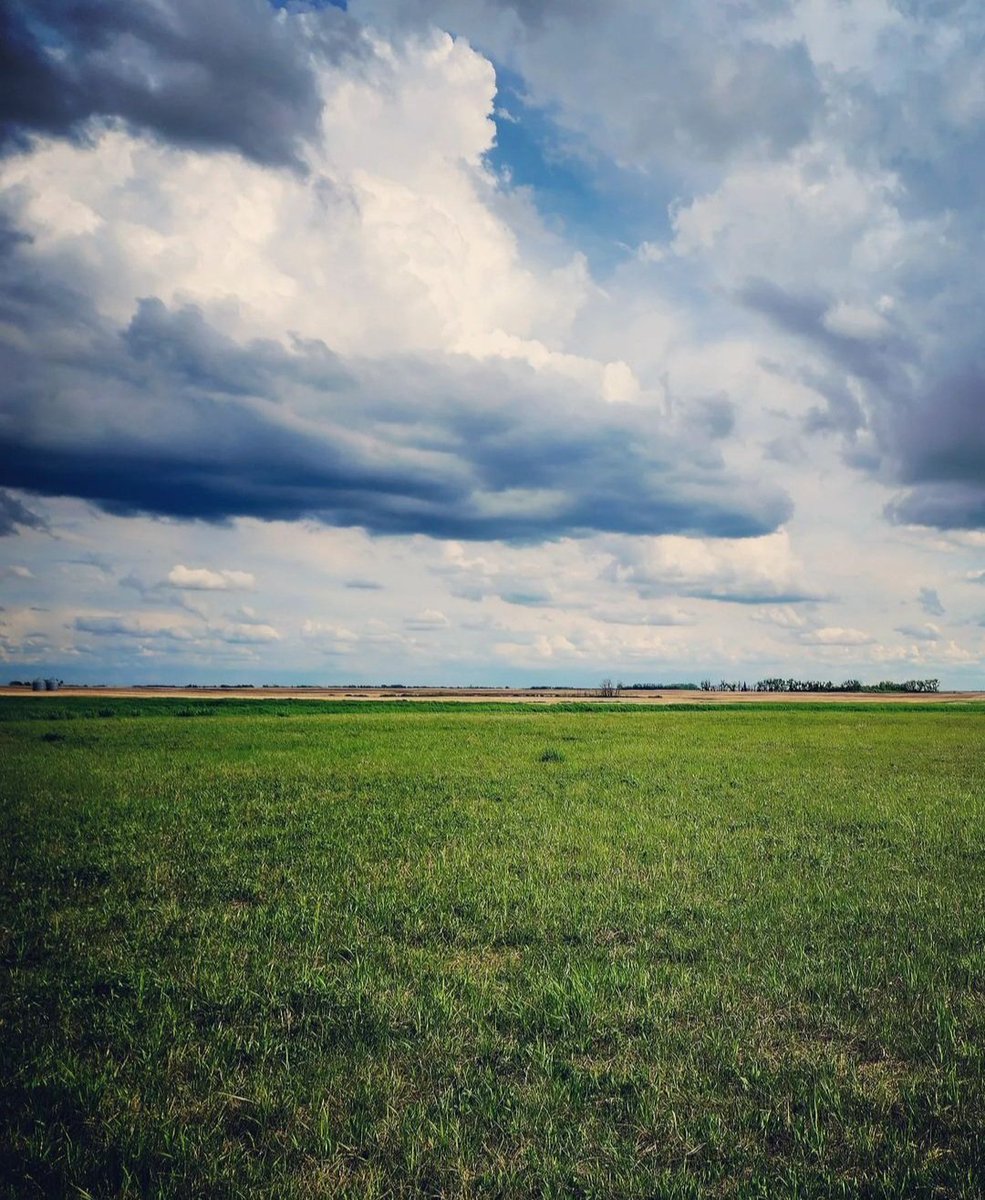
[{"x": 778, "y": 684}]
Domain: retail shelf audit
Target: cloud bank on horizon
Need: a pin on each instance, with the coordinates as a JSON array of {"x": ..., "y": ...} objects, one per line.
[{"x": 487, "y": 341}]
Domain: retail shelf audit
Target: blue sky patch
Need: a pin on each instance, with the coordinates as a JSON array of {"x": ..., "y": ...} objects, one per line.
[{"x": 607, "y": 212}]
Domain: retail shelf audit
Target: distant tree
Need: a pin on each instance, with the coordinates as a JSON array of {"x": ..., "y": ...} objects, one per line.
[
  {"x": 921, "y": 685},
  {"x": 850, "y": 685},
  {"x": 607, "y": 688}
]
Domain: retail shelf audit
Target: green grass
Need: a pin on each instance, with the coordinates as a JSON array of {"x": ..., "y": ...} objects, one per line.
[{"x": 306, "y": 950}]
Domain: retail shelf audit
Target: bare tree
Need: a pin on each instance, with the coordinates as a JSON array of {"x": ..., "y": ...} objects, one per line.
[{"x": 607, "y": 688}]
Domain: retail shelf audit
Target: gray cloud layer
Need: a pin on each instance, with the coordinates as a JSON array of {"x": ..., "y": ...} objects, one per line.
[
  {"x": 171, "y": 417},
  {"x": 227, "y": 73}
]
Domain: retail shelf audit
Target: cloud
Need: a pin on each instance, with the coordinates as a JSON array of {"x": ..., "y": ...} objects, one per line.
[
  {"x": 318, "y": 629},
  {"x": 874, "y": 283},
  {"x": 391, "y": 239},
  {"x": 930, "y": 602},
  {"x": 835, "y": 635},
  {"x": 937, "y": 441},
  {"x": 15, "y": 572},
  {"x": 14, "y": 514},
  {"x": 784, "y": 616},
  {"x": 527, "y": 599},
  {"x": 917, "y": 403},
  {"x": 646, "y": 617},
  {"x": 877, "y": 357},
  {"x": 920, "y": 633},
  {"x": 230, "y": 74},
  {"x": 202, "y": 579},
  {"x": 512, "y": 575},
  {"x": 394, "y": 387},
  {"x": 247, "y": 634},
  {"x": 428, "y": 619},
  {"x": 941, "y": 505},
  {"x": 132, "y": 627},
  {"x": 856, "y": 322},
  {"x": 758, "y": 571},
  {"x": 173, "y": 418},
  {"x": 152, "y": 627}
]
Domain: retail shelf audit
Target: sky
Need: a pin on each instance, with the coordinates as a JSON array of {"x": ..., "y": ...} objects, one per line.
[{"x": 492, "y": 341}]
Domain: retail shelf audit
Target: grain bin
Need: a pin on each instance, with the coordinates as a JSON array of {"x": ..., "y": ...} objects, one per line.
[{"x": 37, "y": 685}]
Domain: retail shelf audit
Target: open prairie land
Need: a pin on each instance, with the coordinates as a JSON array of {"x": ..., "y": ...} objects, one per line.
[
  {"x": 563, "y": 695},
  {"x": 272, "y": 949}
]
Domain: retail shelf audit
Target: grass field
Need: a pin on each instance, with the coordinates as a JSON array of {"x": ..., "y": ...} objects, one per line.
[{"x": 305, "y": 950}]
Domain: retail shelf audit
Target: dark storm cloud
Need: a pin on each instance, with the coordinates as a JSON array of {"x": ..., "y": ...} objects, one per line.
[
  {"x": 14, "y": 514},
  {"x": 170, "y": 417},
  {"x": 942, "y": 506},
  {"x": 942, "y": 438},
  {"x": 231, "y": 74},
  {"x": 931, "y": 431}
]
